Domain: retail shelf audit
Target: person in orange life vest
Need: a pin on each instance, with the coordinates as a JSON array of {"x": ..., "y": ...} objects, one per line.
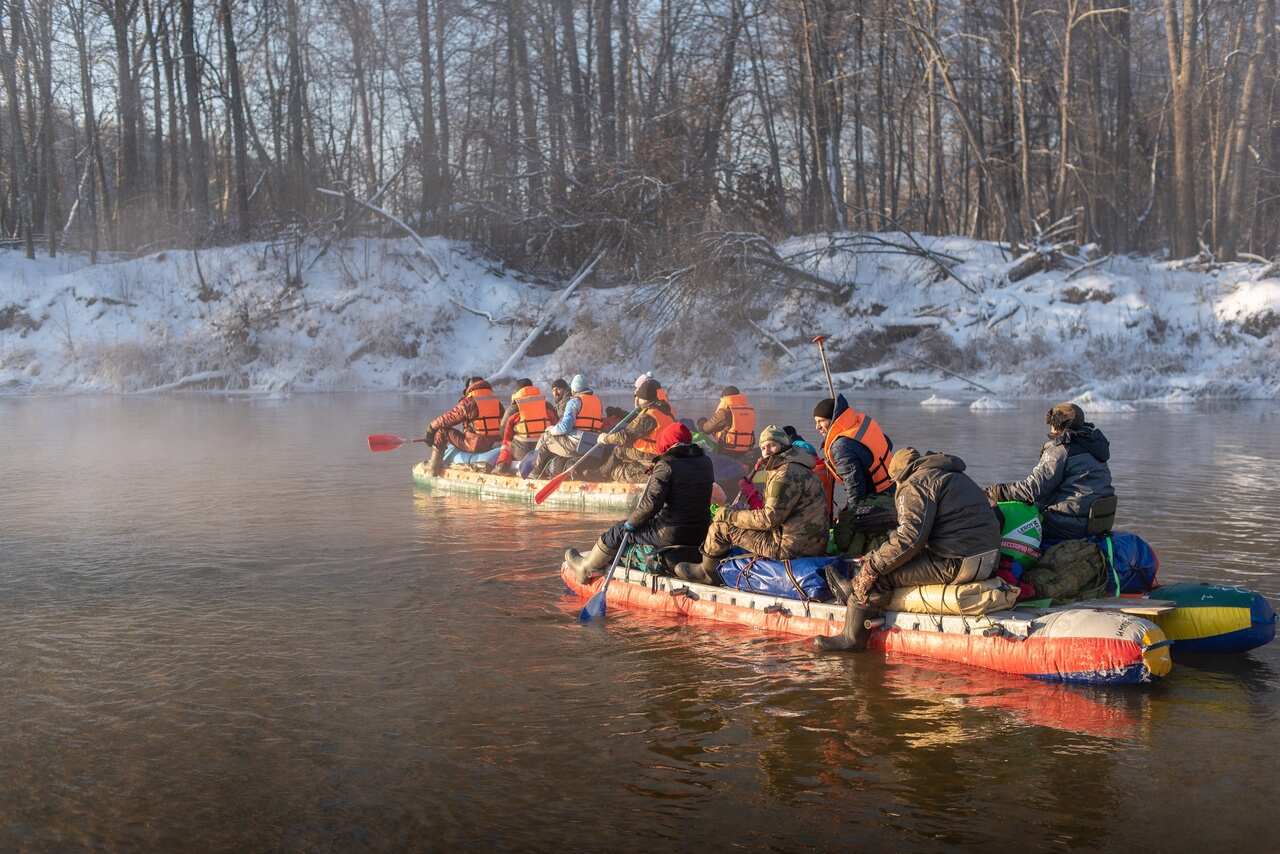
[
  {"x": 612, "y": 416},
  {"x": 673, "y": 510},
  {"x": 474, "y": 424},
  {"x": 662, "y": 392},
  {"x": 733, "y": 425},
  {"x": 635, "y": 445},
  {"x": 856, "y": 452},
  {"x": 575, "y": 432},
  {"x": 524, "y": 422}
]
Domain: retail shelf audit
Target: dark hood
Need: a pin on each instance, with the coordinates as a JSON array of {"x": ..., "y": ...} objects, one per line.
[
  {"x": 932, "y": 460},
  {"x": 684, "y": 452},
  {"x": 1087, "y": 439}
]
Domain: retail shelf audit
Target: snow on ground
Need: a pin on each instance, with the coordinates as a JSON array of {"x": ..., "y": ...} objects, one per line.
[
  {"x": 396, "y": 314},
  {"x": 1092, "y": 404}
]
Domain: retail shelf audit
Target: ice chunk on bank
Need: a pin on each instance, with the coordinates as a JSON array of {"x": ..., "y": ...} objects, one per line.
[
  {"x": 934, "y": 400},
  {"x": 989, "y": 404},
  {"x": 1092, "y": 403}
]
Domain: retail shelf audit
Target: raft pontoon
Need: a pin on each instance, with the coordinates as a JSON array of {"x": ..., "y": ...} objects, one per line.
[{"x": 586, "y": 495}]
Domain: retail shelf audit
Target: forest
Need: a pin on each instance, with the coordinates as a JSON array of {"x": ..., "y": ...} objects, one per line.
[{"x": 546, "y": 130}]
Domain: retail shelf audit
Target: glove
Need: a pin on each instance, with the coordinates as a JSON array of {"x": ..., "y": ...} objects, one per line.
[
  {"x": 721, "y": 514},
  {"x": 504, "y": 456},
  {"x": 863, "y": 582},
  {"x": 628, "y": 527},
  {"x": 609, "y": 439}
]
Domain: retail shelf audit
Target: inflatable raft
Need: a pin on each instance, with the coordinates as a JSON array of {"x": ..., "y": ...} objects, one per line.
[
  {"x": 1080, "y": 645},
  {"x": 1214, "y": 619},
  {"x": 572, "y": 493}
]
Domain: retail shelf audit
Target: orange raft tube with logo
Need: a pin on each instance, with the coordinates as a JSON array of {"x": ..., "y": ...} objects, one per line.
[{"x": 1080, "y": 645}]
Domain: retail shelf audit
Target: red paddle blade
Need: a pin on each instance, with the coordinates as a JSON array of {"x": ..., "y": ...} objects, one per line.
[
  {"x": 552, "y": 486},
  {"x": 385, "y": 442}
]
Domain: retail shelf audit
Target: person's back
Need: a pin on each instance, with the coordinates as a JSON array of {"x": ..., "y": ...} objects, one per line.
[
  {"x": 685, "y": 475},
  {"x": 963, "y": 522},
  {"x": 1071, "y": 474}
]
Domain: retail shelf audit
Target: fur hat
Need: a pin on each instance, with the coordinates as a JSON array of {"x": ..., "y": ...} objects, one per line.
[
  {"x": 578, "y": 383},
  {"x": 1065, "y": 416},
  {"x": 826, "y": 408},
  {"x": 901, "y": 459},
  {"x": 647, "y": 390},
  {"x": 674, "y": 433},
  {"x": 774, "y": 433}
]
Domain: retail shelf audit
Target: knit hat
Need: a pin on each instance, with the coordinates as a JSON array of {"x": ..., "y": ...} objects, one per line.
[
  {"x": 674, "y": 433},
  {"x": 774, "y": 433},
  {"x": 578, "y": 383},
  {"x": 642, "y": 379},
  {"x": 647, "y": 390},
  {"x": 902, "y": 458},
  {"x": 826, "y": 408},
  {"x": 1065, "y": 416}
]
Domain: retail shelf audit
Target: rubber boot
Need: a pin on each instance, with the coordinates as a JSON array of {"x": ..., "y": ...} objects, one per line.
[
  {"x": 595, "y": 561},
  {"x": 436, "y": 463},
  {"x": 854, "y": 637},
  {"x": 707, "y": 572}
]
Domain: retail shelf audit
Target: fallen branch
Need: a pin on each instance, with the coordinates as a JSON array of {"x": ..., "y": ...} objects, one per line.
[
  {"x": 551, "y": 312},
  {"x": 767, "y": 334},
  {"x": 390, "y": 217},
  {"x": 937, "y": 367},
  {"x": 1084, "y": 267},
  {"x": 189, "y": 380},
  {"x": 506, "y": 321},
  {"x": 347, "y": 223},
  {"x": 788, "y": 270}
]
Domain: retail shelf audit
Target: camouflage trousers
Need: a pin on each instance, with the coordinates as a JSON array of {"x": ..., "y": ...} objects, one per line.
[{"x": 721, "y": 537}]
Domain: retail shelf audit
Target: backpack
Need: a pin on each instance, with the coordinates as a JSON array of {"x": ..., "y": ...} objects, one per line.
[
  {"x": 802, "y": 578},
  {"x": 1132, "y": 563}
]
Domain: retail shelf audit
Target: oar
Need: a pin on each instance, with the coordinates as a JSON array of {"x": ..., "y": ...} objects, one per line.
[
  {"x": 820, "y": 340},
  {"x": 595, "y": 606},
  {"x": 554, "y": 483},
  {"x": 379, "y": 442}
]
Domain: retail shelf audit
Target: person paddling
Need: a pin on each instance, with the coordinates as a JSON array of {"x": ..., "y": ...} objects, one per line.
[
  {"x": 855, "y": 452},
  {"x": 635, "y": 446},
  {"x": 733, "y": 425},
  {"x": 473, "y": 425},
  {"x": 674, "y": 509},
  {"x": 527, "y": 417}
]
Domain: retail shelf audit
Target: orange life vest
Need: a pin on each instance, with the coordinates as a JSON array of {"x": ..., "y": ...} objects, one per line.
[
  {"x": 488, "y": 420},
  {"x": 590, "y": 417},
  {"x": 862, "y": 428},
  {"x": 532, "y": 417},
  {"x": 649, "y": 443},
  {"x": 740, "y": 435},
  {"x": 662, "y": 396}
]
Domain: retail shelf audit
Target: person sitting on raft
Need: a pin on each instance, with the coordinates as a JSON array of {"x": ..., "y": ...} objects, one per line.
[
  {"x": 478, "y": 414},
  {"x": 672, "y": 511},
  {"x": 733, "y": 425},
  {"x": 943, "y": 518},
  {"x": 574, "y": 433},
  {"x": 526, "y": 419},
  {"x": 792, "y": 523},
  {"x": 560, "y": 395},
  {"x": 1072, "y": 474},
  {"x": 636, "y": 444},
  {"x": 855, "y": 452},
  {"x": 662, "y": 392}
]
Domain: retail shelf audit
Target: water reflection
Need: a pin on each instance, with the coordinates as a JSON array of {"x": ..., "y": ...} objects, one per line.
[{"x": 225, "y": 620}]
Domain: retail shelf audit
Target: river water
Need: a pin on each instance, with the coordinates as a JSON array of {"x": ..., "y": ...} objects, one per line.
[{"x": 225, "y": 625}]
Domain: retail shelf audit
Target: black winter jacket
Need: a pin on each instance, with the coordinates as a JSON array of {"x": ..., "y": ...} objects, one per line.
[
  {"x": 852, "y": 461},
  {"x": 676, "y": 501},
  {"x": 1072, "y": 473}
]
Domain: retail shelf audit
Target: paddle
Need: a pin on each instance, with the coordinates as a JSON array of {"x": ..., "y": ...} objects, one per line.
[
  {"x": 554, "y": 483},
  {"x": 379, "y": 442},
  {"x": 595, "y": 606},
  {"x": 820, "y": 340}
]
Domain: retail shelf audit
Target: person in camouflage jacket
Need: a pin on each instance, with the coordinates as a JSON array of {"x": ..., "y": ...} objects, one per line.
[
  {"x": 792, "y": 523},
  {"x": 628, "y": 464}
]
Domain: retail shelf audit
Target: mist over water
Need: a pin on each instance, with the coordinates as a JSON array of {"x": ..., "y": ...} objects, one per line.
[{"x": 227, "y": 626}]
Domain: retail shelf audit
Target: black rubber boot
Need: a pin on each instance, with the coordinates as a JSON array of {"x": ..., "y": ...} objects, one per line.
[
  {"x": 854, "y": 637},
  {"x": 707, "y": 572},
  {"x": 584, "y": 566},
  {"x": 436, "y": 463}
]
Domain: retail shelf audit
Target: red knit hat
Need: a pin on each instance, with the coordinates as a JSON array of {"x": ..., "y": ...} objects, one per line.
[{"x": 674, "y": 433}]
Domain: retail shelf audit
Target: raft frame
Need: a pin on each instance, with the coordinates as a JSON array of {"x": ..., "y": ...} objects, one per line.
[{"x": 580, "y": 494}]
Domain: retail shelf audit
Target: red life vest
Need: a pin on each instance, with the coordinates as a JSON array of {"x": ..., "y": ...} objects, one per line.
[
  {"x": 488, "y": 420},
  {"x": 649, "y": 443},
  {"x": 590, "y": 417},
  {"x": 740, "y": 435},
  {"x": 862, "y": 428},
  {"x": 532, "y": 418}
]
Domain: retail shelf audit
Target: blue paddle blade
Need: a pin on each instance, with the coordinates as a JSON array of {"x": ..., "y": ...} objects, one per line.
[{"x": 595, "y": 607}]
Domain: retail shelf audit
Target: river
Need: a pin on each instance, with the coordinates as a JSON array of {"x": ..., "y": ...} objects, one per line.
[{"x": 226, "y": 626}]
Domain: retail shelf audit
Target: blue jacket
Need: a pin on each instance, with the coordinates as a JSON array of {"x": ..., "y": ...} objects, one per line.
[{"x": 564, "y": 426}]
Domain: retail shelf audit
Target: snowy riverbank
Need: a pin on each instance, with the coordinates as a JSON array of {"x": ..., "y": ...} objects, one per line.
[{"x": 396, "y": 315}]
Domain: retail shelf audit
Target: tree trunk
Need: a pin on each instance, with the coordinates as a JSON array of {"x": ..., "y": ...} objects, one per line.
[
  {"x": 199, "y": 170},
  {"x": 604, "y": 81},
  {"x": 1180, "y": 39},
  {"x": 1236, "y": 216},
  {"x": 244, "y": 224},
  {"x": 429, "y": 156}
]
